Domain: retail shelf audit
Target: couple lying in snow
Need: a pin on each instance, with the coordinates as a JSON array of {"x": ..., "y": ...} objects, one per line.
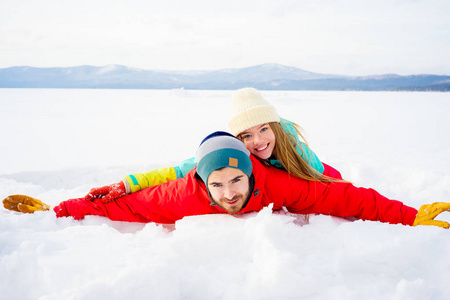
[{"x": 268, "y": 164}]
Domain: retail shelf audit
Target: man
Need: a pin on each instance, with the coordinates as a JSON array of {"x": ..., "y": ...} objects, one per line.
[{"x": 228, "y": 180}]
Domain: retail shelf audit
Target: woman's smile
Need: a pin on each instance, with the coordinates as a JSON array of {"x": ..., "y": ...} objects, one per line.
[{"x": 263, "y": 148}]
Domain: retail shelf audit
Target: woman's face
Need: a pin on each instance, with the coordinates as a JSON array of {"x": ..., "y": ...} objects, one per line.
[{"x": 259, "y": 140}]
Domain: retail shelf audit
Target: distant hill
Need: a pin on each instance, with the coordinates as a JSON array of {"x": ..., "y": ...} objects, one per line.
[{"x": 264, "y": 77}]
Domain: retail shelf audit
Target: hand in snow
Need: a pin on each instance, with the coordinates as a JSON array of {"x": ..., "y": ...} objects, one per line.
[
  {"x": 427, "y": 213},
  {"x": 24, "y": 204},
  {"x": 106, "y": 193}
]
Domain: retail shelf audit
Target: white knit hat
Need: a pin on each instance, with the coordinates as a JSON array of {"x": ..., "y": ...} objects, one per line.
[{"x": 248, "y": 109}]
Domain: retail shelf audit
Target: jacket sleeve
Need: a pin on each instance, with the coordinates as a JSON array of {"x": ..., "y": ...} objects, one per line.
[
  {"x": 139, "y": 181},
  {"x": 339, "y": 199},
  {"x": 331, "y": 172},
  {"x": 165, "y": 203},
  {"x": 307, "y": 154}
]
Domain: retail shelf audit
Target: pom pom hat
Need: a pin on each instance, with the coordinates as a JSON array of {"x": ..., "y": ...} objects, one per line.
[
  {"x": 248, "y": 109},
  {"x": 219, "y": 150}
]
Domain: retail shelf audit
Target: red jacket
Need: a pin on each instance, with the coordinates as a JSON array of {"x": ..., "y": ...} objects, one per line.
[{"x": 171, "y": 201}]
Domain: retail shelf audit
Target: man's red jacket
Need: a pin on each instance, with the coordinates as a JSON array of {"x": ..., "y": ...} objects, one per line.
[{"x": 171, "y": 201}]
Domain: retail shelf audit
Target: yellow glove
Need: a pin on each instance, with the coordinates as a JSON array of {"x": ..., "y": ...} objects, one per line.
[
  {"x": 25, "y": 204},
  {"x": 428, "y": 212}
]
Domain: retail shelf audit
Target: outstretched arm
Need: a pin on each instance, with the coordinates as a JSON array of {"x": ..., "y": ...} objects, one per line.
[
  {"x": 343, "y": 199},
  {"x": 346, "y": 200},
  {"x": 139, "y": 181}
]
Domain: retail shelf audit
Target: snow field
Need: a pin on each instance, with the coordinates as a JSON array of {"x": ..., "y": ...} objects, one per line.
[{"x": 57, "y": 144}]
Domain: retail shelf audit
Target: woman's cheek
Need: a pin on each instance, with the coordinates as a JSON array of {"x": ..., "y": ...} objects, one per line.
[{"x": 248, "y": 146}]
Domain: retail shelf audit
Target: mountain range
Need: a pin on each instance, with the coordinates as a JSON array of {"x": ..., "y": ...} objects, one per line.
[{"x": 264, "y": 77}]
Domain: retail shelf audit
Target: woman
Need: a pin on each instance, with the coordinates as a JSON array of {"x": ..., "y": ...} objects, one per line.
[
  {"x": 274, "y": 140},
  {"x": 268, "y": 137}
]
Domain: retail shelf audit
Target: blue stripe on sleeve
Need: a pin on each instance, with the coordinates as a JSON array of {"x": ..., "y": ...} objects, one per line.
[{"x": 134, "y": 180}]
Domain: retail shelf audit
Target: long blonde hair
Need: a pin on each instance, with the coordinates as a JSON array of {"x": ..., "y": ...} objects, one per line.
[{"x": 285, "y": 151}]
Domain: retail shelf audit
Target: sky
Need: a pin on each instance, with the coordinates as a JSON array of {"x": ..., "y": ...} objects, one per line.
[{"x": 354, "y": 37}]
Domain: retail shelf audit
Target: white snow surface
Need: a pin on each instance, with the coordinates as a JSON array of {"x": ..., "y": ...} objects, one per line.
[{"x": 57, "y": 144}]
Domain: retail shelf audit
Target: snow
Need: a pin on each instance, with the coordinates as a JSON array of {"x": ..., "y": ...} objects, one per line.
[
  {"x": 57, "y": 144},
  {"x": 108, "y": 69}
]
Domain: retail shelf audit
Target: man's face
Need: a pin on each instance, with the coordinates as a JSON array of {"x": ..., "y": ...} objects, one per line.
[{"x": 229, "y": 188}]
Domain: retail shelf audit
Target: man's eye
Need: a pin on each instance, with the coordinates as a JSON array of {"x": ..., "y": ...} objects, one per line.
[{"x": 236, "y": 180}]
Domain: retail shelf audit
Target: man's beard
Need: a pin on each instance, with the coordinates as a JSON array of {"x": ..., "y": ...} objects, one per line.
[{"x": 236, "y": 208}]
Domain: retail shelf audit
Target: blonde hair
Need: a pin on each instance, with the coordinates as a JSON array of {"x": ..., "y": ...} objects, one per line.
[{"x": 285, "y": 151}]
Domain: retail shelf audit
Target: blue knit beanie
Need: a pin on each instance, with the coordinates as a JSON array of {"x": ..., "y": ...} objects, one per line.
[{"x": 221, "y": 149}]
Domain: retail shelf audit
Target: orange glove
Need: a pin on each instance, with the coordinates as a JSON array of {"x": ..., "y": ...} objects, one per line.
[
  {"x": 24, "y": 204},
  {"x": 427, "y": 213},
  {"x": 106, "y": 193}
]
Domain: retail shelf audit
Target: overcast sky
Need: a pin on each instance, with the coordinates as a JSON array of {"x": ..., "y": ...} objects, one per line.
[{"x": 354, "y": 37}]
